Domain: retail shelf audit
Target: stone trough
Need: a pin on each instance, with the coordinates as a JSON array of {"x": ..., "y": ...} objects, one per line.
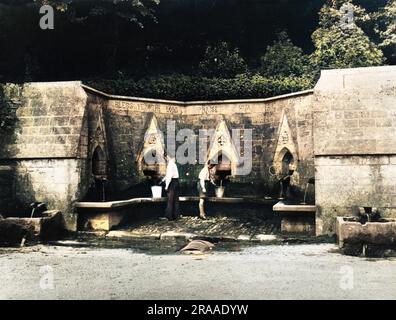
[
  {"x": 15, "y": 231},
  {"x": 350, "y": 232},
  {"x": 296, "y": 218}
]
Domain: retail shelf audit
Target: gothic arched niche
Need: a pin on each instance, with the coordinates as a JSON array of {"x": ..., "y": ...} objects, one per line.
[
  {"x": 287, "y": 162},
  {"x": 222, "y": 166},
  {"x": 222, "y": 148},
  {"x": 151, "y": 160},
  {"x": 285, "y": 157},
  {"x": 99, "y": 162}
]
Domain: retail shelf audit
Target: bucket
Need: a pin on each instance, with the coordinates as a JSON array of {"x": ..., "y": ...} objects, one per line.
[
  {"x": 219, "y": 192},
  {"x": 156, "y": 191}
]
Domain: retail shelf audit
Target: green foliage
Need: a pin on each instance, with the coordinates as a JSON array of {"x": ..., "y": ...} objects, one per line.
[
  {"x": 7, "y": 108},
  {"x": 338, "y": 46},
  {"x": 385, "y": 27},
  {"x": 221, "y": 61},
  {"x": 188, "y": 88},
  {"x": 284, "y": 59}
]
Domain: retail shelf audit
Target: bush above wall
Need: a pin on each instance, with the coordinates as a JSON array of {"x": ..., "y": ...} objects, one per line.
[{"x": 188, "y": 88}]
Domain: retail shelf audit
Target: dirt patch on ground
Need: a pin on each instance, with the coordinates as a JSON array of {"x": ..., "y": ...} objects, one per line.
[{"x": 213, "y": 226}]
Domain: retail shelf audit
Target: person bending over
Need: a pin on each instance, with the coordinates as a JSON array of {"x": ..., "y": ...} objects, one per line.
[{"x": 203, "y": 178}]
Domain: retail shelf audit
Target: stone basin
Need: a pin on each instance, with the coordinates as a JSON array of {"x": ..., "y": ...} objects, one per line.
[
  {"x": 47, "y": 227},
  {"x": 296, "y": 218},
  {"x": 350, "y": 232}
]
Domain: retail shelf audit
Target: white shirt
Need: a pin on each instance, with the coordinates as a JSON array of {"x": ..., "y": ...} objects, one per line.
[
  {"x": 203, "y": 176},
  {"x": 171, "y": 173}
]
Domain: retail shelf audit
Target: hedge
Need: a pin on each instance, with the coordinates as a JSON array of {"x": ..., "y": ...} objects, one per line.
[{"x": 188, "y": 88}]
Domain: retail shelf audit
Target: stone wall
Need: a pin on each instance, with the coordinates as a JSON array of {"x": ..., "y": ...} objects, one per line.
[
  {"x": 127, "y": 120},
  {"x": 57, "y": 182},
  {"x": 343, "y": 133},
  {"x": 49, "y": 121},
  {"x": 60, "y": 126},
  {"x": 355, "y": 142},
  {"x": 44, "y": 158}
]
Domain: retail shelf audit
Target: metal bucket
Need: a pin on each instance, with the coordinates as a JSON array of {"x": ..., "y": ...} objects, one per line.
[
  {"x": 219, "y": 192},
  {"x": 156, "y": 191}
]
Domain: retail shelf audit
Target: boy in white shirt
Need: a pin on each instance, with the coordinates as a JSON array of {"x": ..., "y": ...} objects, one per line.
[{"x": 171, "y": 179}]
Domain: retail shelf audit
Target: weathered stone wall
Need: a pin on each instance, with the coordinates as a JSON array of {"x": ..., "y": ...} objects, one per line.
[
  {"x": 57, "y": 182},
  {"x": 127, "y": 120},
  {"x": 49, "y": 120},
  {"x": 348, "y": 123},
  {"x": 44, "y": 157},
  {"x": 355, "y": 141},
  {"x": 344, "y": 182}
]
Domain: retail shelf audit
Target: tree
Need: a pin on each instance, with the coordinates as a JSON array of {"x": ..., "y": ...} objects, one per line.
[
  {"x": 284, "y": 59},
  {"x": 221, "y": 61},
  {"x": 134, "y": 11},
  {"x": 385, "y": 27},
  {"x": 130, "y": 10},
  {"x": 340, "y": 41}
]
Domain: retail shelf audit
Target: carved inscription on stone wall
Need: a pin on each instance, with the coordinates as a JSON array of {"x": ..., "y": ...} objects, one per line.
[
  {"x": 209, "y": 109},
  {"x": 133, "y": 106}
]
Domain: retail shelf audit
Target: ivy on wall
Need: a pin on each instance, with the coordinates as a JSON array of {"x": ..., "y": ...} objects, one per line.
[{"x": 8, "y": 105}]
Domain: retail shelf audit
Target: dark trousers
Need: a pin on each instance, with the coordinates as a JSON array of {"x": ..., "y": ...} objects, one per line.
[{"x": 173, "y": 209}]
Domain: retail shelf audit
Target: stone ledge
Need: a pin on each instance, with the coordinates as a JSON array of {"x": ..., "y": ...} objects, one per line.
[
  {"x": 290, "y": 208},
  {"x": 170, "y": 236},
  {"x": 134, "y": 201},
  {"x": 125, "y": 235}
]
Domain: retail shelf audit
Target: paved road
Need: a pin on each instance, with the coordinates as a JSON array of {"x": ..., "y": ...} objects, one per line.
[{"x": 266, "y": 272}]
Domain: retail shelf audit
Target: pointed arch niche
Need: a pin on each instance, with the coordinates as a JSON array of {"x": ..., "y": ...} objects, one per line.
[
  {"x": 286, "y": 151},
  {"x": 99, "y": 162},
  {"x": 222, "y": 151},
  {"x": 98, "y": 145},
  {"x": 151, "y": 160}
]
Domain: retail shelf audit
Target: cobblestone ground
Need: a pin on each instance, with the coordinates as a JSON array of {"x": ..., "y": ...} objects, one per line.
[{"x": 213, "y": 226}]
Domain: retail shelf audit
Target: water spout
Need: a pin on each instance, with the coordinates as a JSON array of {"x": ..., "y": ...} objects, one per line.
[
  {"x": 305, "y": 194},
  {"x": 310, "y": 181},
  {"x": 281, "y": 195},
  {"x": 103, "y": 181}
]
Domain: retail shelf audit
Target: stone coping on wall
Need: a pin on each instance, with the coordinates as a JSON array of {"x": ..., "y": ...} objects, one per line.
[{"x": 191, "y": 103}]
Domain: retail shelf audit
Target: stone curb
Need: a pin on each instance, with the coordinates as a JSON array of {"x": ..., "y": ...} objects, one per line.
[
  {"x": 124, "y": 235},
  {"x": 174, "y": 236}
]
